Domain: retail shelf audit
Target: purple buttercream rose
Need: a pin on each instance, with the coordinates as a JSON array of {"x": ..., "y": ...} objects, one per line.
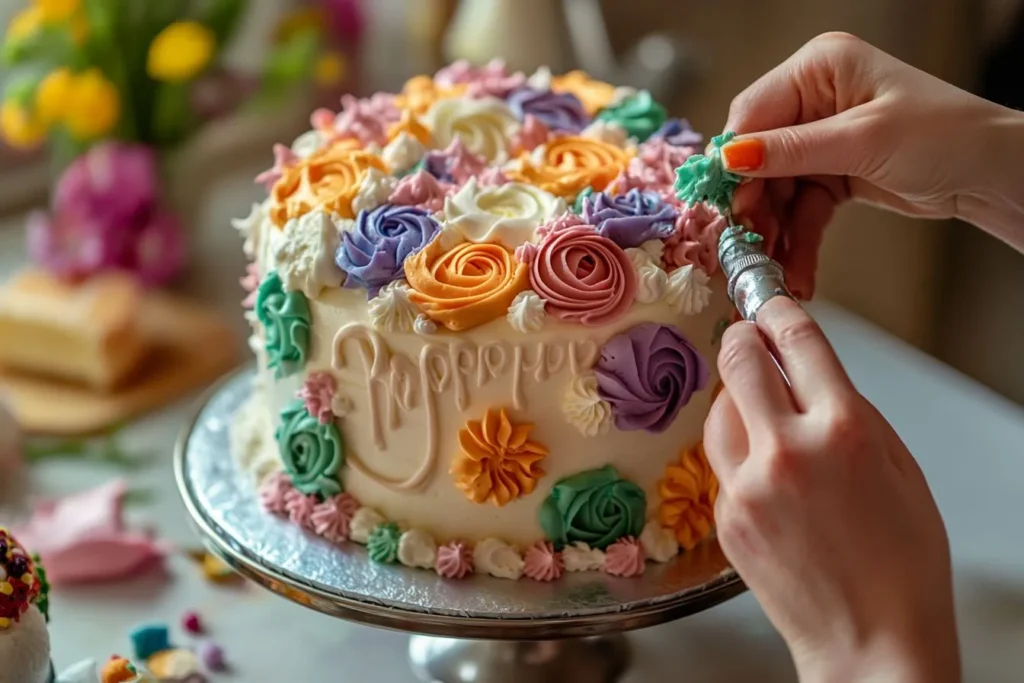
[
  {"x": 558, "y": 111},
  {"x": 373, "y": 253},
  {"x": 631, "y": 219},
  {"x": 647, "y": 374},
  {"x": 679, "y": 133}
]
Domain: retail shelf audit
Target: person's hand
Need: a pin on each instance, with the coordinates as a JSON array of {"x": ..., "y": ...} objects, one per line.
[
  {"x": 823, "y": 511},
  {"x": 841, "y": 119}
]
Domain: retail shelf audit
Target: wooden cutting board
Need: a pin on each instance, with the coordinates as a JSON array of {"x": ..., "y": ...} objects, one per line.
[{"x": 190, "y": 347}]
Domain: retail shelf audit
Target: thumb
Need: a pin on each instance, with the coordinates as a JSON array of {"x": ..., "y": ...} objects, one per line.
[{"x": 831, "y": 146}]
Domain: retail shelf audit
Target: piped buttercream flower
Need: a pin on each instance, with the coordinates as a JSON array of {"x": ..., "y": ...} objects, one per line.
[
  {"x": 659, "y": 543},
  {"x": 299, "y": 507},
  {"x": 584, "y": 277},
  {"x": 678, "y": 132},
  {"x": 455, "y": 163},
  {"x": 409, "y": 125},
  {"x": 542, "y": 562},
  {"x": 330, "y": 180},
  {"x": 374, "y": 190},
  {"x": 421, "y": 190},
  {"x": 498, "y": 462},
  {"x": 647, "y": 374},
  {"x": 629, "y": 220},
  {"x": 695, "y": 239},
  {"x": 317, "y": 395},
  {"x": 565, "y": 166},
  {"x": 366, "y": 120},
  {"x": 284, "y": 158},
  {"x": 638, "y": 113},
  {"x": 403, "y": 153},
  {"x": 417, "y": 548},
  {"x": 625, "y": 558},
  {"x": 584, "y": 408},
  {"x": 332, "y": 518},
  {"x": 374, "y": 252},
  {"x": 497, "y": 558},
  {"x": 558, "y": 111},
  {"x": 465, "y": 286},
  {"x": 527, "y": 314},
  {"x": 580, "y": 557},
  {"x": 607, "y": 131},
  {"x": 391, "y": 310},
  {"x": 688, "y": 493},
  {"x": 687, "y": 290},
  {"x": 484, "y": 125},
  {"x": 654, "y": 167},
  {"x": 531, "y": 135},
  {"x": 703, "y": 178},
  {"x": 382, "y": 544},
  {"x": 273, "y": 492},
  {"x": 492, "y": 79},
  {"x": 507, "y": 214},
  {"x": 312, "y": 452},
  {"x": 454, "y": 560},
  {"x": 594, "y": 94},
  {"x": 420, "y": 93},
  {"x": 596, "y": 506},
  {"x": 304, "y": 256}
]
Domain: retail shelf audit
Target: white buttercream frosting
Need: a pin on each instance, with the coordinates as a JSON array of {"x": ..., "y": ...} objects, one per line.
[
  {"x": 656, "y": 248},
  {"x": 497, "y": 558},
  {"x": 374, "y": 190},
  {"x": 526, "y": 313},
  {"x": 651, "y": 282},
  {"x": 304, "y": 257},
  {"x": 608, "y": 132},
  {"x": 540, "y": 79},
  {"x": 363, "y": 523},
  {"x": 424, "y": 325},
  {"x": 621, "y": 93},
  {"x": 687, "y": 290},
  {"x": 417, "y": 548},
  {"x": 584, "y": 408},
  {"x": 248, "y": 433},
  {"x": 249, "y": 228},
  {"x": 484, "y": 125},
  {"x": 658, "y": 542},
  {"x": 391, "y": 310},
  {"x": 580, "y": 557},
  {"x": 508, "y": 214},
  {"x": 25, "y": 650},
  {"x": 308, "y": 144},
  {"x": 402, "y": 153}
]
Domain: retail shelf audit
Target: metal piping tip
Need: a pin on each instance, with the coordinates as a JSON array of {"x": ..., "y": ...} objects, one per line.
[{"x": 752, "y": 277}]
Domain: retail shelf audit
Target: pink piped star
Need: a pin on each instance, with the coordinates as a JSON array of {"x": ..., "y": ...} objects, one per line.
[{"x": 284, "y": 158}]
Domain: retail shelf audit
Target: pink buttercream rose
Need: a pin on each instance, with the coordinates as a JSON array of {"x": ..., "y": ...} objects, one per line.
[
  {"x": 695, "y": 239},
  {"x": 583, "y": 277},
  {"x": 421, "y": 190}
]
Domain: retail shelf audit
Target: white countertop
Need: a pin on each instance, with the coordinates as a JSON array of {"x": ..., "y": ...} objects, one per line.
[{"x": 970, "y": 443}]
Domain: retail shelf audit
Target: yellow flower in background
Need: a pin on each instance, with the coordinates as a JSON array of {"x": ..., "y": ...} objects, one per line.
[
  {"x": 24, "y": 24},
  {"x": 297, "y": 21},
  {"x": 180, "y": 52},
  {"x": 55, "y": 11},
  {"x": 19, "y": 127},
  {"x": 93, "y": 105},
  {"x": 53, "y": 96},
  {"x": 330, "y": 69},
  {"x": 79, "y": 28}
]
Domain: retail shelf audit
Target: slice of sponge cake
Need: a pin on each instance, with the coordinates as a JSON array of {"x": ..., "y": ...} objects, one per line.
[{"x": 84, "y": 332}]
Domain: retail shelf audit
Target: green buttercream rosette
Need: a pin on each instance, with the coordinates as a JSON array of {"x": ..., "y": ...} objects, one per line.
[
  {"x": 312, "y": 452},
  {"x": 639, "y": 114},
  {"x": 704, "y": 179},
  {"x": 596, "y": 507},
  {"x": 285, "y": 318},
  {"x": 382, "y": 545}
]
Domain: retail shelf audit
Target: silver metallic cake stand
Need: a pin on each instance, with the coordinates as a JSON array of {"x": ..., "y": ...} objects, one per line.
[{"x": 481, "y": 629}]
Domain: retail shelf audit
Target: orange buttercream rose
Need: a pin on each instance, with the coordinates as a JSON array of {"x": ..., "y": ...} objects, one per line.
[
  {"x": 465, "y": 286},
  {"x": 571, "y": 164},
  {"x": 420, "y": 92},
  {"x": 328, "y": 179},
  {"x": 688, "y": 494},
  {"x": 594, "y": 94},
  {"x": 410, "y": 125},
  {"x": 498, "y": 461}
]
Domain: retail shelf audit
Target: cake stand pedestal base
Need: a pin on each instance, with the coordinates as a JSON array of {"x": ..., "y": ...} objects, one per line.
[
  {"x": 479, "y": 629},
  {"x": 598, "y": 659}
]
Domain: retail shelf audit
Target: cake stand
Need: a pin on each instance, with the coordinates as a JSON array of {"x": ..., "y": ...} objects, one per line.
[{"x": 481, "y": 629}]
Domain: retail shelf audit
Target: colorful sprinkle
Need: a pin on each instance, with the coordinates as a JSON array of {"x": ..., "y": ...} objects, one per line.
[
  {"x": 212, "y": 656},
  {"x": 150, "y": 639},
  {"x": 192, "y": 623}
]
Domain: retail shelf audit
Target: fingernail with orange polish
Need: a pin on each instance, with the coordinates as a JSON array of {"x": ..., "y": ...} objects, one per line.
[{"x": 743, "y": 155}]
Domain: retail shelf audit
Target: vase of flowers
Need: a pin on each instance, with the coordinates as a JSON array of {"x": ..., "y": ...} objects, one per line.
[{"x": 111, "y": 88}]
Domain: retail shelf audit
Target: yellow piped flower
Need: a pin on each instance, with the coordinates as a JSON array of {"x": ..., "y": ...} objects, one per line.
[
  {"x": 329, "y": 180},
  {"x": 94, "y": 105},
  {"x": 688, "y": 494},
  {"x": 24, "y": 24},
  {"x": 421, "y": 92},
  {"x": 498, "y": 461},
  {"x": 568, "y": 165},
  {"x": 55, "y": 11},
  {"x": 410, "y": 125},
  {"x": 180, "y": 52},
  {"x": 20, "y": 128},
  {"x": 53, "y": 96}
]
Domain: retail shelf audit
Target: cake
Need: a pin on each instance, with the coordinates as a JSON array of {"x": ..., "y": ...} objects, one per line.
[
  {"x": 485, "y": 328},
  {"x": 24, "y": 595},
  {"x": 85, "y": 333}
]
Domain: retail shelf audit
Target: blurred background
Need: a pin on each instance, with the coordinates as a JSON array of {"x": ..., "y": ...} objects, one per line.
[{"x": 263, "y": 65}]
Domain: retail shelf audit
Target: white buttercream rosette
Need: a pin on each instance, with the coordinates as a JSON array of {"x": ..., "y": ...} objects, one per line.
[
  {"x": 507, "y": 214},
  {"x": 484, "y": 125}
]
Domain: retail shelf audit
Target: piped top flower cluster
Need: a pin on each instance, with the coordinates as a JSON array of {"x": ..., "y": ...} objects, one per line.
[{"x": 479, "y": 193}]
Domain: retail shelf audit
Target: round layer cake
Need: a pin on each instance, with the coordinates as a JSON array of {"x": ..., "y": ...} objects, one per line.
[{"x": 486, "y": 327}]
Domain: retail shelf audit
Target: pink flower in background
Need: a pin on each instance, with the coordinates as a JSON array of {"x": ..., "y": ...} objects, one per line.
[
  {"x": 113, "y": 183},
  {"x": 72, "y": 246},
  {"x": 250, "y": 283},
  {"x": 695, "y": 239},
  {"x": 159, "y": 250},
  {"x": 317, "y": 393},
  {"x": 346, "y": 19},
  {"x": 283, "y": 158}
]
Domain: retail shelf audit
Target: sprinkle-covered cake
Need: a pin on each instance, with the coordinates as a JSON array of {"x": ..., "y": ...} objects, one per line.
[{"x": 486, "y": 328}]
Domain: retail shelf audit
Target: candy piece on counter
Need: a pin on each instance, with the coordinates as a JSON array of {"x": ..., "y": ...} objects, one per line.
[
  {"x": 175, "y": 665},
  {"x": 84, "y": 333},
  {"x": 191, "y": 622},
  {"x": 83, "y": 538},
  {"x": 118, "y": 670},
  {"x": 212, "y": 656},
  {"x": 149, "y": 639}
]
